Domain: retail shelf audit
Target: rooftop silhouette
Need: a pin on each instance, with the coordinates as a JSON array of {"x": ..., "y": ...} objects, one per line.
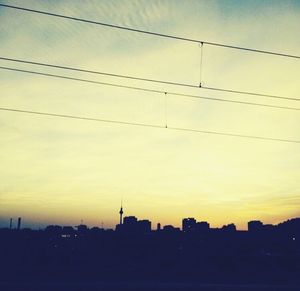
[{"x": 133, "y": 251}]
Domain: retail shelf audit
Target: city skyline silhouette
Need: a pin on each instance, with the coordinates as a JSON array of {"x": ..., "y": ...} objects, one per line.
[
  {"x": 195, "y": 256},
  {"x": 14, "y": 222},
  {"x": 187, "y": 224}
]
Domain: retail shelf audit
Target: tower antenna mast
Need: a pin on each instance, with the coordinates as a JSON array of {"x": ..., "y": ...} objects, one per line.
[{"x": 121, "y": 212}]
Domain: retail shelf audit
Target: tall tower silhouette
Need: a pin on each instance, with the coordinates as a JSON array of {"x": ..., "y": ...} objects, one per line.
[{"x": 121, "y": 213}]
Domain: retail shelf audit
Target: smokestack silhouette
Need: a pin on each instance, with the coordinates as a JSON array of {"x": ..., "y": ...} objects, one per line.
[
  {"x": 19, "y": 223},
  {"x": 10, "y": 223}
]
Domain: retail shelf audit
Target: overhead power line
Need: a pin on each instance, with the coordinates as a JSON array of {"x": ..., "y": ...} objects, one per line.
[
  {"x": 146, "y": 79},
  {"x": 98, "y": 72},
  {"x": 148, "y": 90},
  {"x": 148, "y": 125},
  {"x": 186, "y": 39},
  {"x": 250, "y": 93}
]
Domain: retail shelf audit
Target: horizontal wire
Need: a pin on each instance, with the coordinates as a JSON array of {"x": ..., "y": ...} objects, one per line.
[
  {"x": 150, "y": 33},
  {"x": 235, "y": 135},
  {"x": 148, "y": 90},
  {"x": 250, "y": 93},
  {"x": 148, "y": 125},
  {"x": 78, "y": 117},
  {"x": 80, "y": 80},
  {"x": 98, "y": 72},
  {"x": 146, "y": 79},
  {"x": 234, "y": 101}
]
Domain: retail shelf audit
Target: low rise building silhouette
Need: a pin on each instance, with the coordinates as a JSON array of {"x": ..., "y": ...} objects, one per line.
[
  {"x": 188, "y": 224},
  {"x": 191, "y": 225},
  {"x": 255, "y": 225},
  {"x": 229, "y": 227}
]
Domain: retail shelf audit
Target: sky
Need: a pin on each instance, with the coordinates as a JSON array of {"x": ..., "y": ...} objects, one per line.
[{"x": 65, "y": 171}]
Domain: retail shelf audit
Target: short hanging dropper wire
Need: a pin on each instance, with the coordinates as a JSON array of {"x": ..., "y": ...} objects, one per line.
[
  {"x": 166, "y": 110},
  {"x": 201, "y": 44}
]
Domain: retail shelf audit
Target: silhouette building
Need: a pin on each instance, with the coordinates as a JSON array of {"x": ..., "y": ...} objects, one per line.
[
  {"x": 188, "y": 224},
  {"x": 144, "y": 226},
  {"x": 158, "y": 227},
  {"x": 202, "y": 226},
  {"x": 255, "y": 225},
  {"x": 170, "y": 229},
  {"x": 82, "y": 229},
  {"x": 130, "y": 220},
  {"x": 132, "y": 225},
  {"x": 19, "y": 223},
  {"x": 229, "y": 227}
]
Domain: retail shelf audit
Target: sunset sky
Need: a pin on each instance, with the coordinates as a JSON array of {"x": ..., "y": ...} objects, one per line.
[{"x": 62, "y": 171}]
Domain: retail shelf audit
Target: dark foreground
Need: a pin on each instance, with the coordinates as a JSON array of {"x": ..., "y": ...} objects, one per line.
[
  {"x": 101, "y": 260},
  {"x": 130, "y": 286}
]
